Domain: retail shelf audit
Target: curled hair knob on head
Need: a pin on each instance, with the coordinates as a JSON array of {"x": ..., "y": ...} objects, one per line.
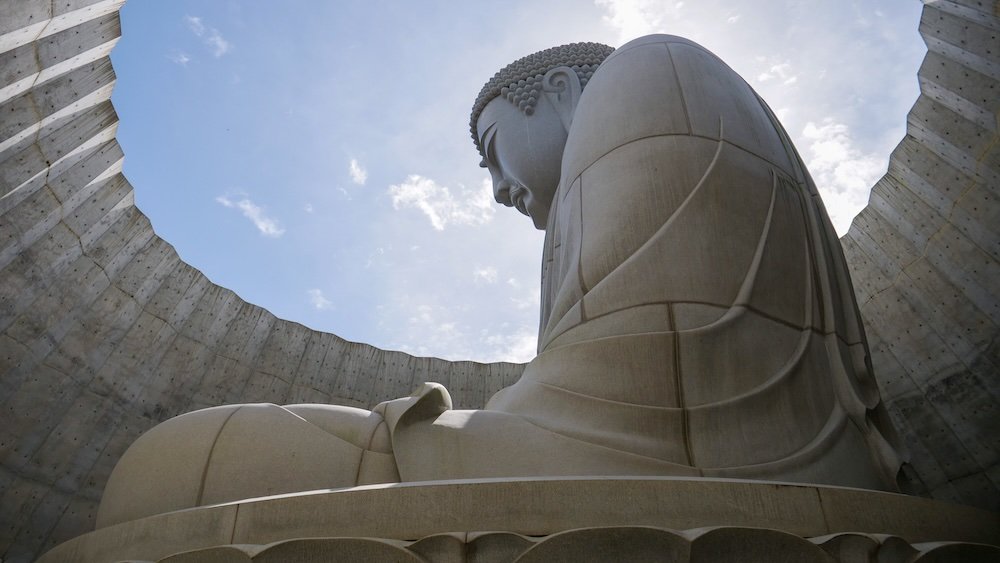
[{"x": 520, "y": 82}]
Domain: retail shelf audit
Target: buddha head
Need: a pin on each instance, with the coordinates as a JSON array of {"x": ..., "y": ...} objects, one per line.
[{"x": 521, "y": 120}]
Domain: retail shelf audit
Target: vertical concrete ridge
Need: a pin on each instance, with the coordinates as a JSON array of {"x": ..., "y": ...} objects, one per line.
[
  {"x": 104, "y": 330},
  {"x": 924, "y": 257},
  {"x": 963, "y": 31}
]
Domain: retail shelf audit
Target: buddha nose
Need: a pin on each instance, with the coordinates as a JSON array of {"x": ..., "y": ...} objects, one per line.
[{"x": 501, "y": 192}]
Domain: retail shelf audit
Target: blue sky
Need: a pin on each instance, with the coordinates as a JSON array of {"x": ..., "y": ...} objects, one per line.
[{"x": 315, "y": 156}]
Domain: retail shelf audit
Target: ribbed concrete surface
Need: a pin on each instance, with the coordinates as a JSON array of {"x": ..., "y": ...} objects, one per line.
[
  {"x": 924, "y": 257},
  {"x": 104, "y": 331}
]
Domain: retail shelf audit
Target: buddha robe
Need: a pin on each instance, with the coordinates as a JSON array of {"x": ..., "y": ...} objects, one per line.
[{"x": 696, "y": 305}]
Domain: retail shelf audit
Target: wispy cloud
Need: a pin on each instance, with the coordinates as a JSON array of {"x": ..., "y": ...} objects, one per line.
[
  {"x": 218, "y": 45},
  {"x": 527, "y": 297},
  {"x": 358, "y": 173},
  {"x": 444, "y": 332},
  {"x": 487, "y": 274},
  {"x": 318, "y": 300},
  {"x": 266, "y": 225},
  {"x": 529, "y": 300},
  {"x": 375, "y": 255},
  {"x": 212, "y": 38},
  {"x": 308, "y": 208},
  {"x": 470, "y": 207},
  {"x": 843, "y": 174},
  {"x": 179, "y": 57},
  {"x": 733, "y": 19},
  {"x": 195, "y": 25},
  {"x": 781, "y": 71},
  {"x": 635, "y": 18},
  {"x": 517, "y": 346},
  {"x": 439, "y": 332}
]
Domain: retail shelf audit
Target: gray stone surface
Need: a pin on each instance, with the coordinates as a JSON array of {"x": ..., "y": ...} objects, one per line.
[
  {"x": 75, "y": 304},
  {"x": 721, "y": 519},
  {"x": 678, "y": 189},
  {"x": 924, "y": 258}
]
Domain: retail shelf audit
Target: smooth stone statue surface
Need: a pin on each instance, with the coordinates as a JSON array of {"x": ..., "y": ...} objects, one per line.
[{"x": 697, "y": 315}]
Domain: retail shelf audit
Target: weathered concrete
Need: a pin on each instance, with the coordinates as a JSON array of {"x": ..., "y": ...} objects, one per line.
[
  {"x": 105, "y": 332},
  {"x": 923, "y": 256}
]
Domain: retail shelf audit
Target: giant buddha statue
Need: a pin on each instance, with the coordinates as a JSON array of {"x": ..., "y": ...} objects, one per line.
[{"x": 697, "y": 318}]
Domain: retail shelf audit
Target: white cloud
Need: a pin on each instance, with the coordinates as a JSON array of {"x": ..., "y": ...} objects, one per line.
[
  {"x": 318, "y": 300},
  {"x": 308, "y": 208},
  {"x": 374, "y": 256},
  {"x": 437, "y": 337},
  {"x": 423, "y": 314},
  {"x": 358, "y": 174},
  {"x": 843, "y": 173},
  {"x": 530, "y": 300},
  {"x": 266, "y": 225},
  {"x": 635, "y": 18},
  {"x": 487, "y": 274},
  {"x": 209, "y": 35},
  {"x": 179, "y": 58},
  {"x": 781, "y": 71},
  {"x": 470, "y": 207},
  {"x": 519, "y": 346},
  {"x": 217, "y": 43},
  {"x": 444, "y": 332},
  {"x": 733, "y": 19},
  {"x": 195, "y": 25}
]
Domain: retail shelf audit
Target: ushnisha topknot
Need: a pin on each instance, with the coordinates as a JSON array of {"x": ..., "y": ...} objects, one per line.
[{"x": 520, "y": 82}]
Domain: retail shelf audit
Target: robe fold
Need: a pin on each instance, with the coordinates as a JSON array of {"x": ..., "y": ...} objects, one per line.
[{"x": 696, "y": 305}]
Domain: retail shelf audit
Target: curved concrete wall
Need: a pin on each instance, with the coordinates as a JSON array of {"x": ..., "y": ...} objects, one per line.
[
  {"x": 104, "y": 331},
  {"x": 923, "y": 256}
]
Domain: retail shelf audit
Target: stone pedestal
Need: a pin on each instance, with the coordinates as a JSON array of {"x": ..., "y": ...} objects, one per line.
[{"x": 571, "y": 519}]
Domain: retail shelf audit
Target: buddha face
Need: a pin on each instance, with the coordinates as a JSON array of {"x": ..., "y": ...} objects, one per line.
[{"x": 523, "y": 155}]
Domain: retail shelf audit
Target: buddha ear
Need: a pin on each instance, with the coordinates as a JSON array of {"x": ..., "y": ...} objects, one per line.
[{"x": 562, "y": 87}]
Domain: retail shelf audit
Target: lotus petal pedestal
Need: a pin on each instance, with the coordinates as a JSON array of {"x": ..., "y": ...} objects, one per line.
[{"x": 566, "y": 519}]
